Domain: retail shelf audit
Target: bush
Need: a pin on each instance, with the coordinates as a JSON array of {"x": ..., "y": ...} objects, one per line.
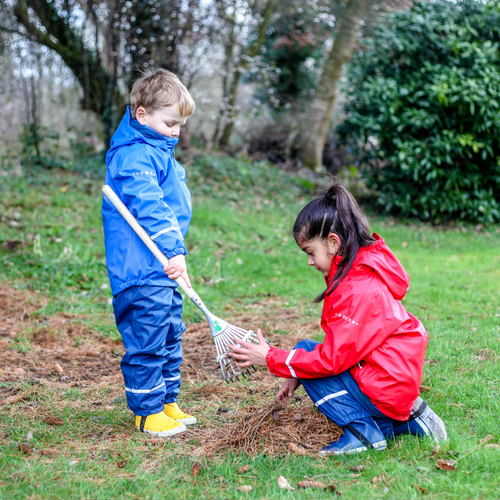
[{"x": 423, "y": 111}]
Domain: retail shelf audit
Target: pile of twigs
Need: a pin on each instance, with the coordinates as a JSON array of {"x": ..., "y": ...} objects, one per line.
[{"x": 273, "y": 430}]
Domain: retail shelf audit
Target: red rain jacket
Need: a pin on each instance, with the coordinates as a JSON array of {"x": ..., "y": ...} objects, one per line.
[{"x": 368, "y": 331}]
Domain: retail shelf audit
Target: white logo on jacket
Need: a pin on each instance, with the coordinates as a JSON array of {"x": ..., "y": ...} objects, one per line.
[{"x": 346, "y": 318}]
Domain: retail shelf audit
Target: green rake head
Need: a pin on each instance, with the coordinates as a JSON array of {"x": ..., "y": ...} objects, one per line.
[{"x": 223, "y": 334}]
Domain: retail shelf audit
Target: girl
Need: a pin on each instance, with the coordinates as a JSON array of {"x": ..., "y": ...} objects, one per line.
[{"x": 366, "y": 374}]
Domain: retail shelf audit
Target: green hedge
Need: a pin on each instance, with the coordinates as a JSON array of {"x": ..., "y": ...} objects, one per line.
[{"x": 423, "y": 111}]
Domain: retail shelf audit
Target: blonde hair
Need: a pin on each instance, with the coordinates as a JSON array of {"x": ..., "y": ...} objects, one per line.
[{"x": 158, "y": 89}]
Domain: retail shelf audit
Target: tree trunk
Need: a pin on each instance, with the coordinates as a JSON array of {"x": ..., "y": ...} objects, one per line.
[
  {"x": 320, "y": 112},
  {"x": 231, "y": 110},
  {"x": 228, "y": 62},
  {"x": 99, "y": 84},
  {"x": 240, "y": 69}
]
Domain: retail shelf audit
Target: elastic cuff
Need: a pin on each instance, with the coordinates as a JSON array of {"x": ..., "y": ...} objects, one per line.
[
  {"x": 171, "y": 399},
  {"x": 176, "y": 251},
  {"x": 269, "y": 355}
]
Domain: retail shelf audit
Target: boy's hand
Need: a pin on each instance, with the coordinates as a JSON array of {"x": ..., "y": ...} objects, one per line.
[
  {"x": 177, "y": 267},
  {"x": 287, "y": 390},
  {"x": 250, "y": 354}
]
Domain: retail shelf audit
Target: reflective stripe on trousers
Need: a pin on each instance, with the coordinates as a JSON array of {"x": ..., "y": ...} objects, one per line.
[{"x": 334, "y": 395}]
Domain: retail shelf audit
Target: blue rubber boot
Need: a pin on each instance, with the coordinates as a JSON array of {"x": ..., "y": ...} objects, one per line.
[
  {"x": 360, "y": 435},
  {"x": 386, "y": 425},
  {"x": 422, "y": 422}
]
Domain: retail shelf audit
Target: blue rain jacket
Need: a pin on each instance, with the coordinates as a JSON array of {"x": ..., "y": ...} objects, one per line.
[{"x": 143, "y": 172}]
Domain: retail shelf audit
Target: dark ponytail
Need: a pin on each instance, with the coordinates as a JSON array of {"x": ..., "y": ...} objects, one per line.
[{"x": 334, "y": 212}]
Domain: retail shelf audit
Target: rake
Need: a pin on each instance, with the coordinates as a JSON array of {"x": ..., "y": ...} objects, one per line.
[{"x": 222, "y": 331}]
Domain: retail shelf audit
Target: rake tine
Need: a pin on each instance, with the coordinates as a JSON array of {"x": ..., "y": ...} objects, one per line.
[
  {"x": 221, "y": 364},
  {"x": 227, "y": 366},
  {"x": 232, "y": 365},
  {"x": 235, "y": 374}
]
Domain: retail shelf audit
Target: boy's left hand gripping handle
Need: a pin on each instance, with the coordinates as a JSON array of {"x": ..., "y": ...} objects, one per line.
[{"x": 118, "y": 204}]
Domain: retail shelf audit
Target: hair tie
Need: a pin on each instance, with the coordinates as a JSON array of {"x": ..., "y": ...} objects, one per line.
[{"x": 329, "y": 195}]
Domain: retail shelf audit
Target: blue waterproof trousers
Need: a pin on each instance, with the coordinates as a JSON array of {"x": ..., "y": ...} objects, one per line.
[
  {"x": 149, "y": 319},
  {"x": 339, "y": 396}
]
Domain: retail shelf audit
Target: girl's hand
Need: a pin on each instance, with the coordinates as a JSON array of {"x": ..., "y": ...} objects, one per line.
[
  {"x": 287, "y": 389},
  {"x": 250, "y": 354}
]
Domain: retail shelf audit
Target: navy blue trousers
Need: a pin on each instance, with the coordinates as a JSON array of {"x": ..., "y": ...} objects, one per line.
[
  {"x": 149, "y": 319},
  {"x": 338, "y": 396}
]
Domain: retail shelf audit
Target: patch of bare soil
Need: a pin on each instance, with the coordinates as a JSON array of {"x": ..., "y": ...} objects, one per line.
[
  {"x": 58, "y": 348},
  {"x": 61, "y": 351}
]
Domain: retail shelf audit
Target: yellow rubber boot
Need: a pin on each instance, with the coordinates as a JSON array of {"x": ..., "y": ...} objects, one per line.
[
  {"x": 159, "y": 425},
  {"x": 172, "y": 410}
]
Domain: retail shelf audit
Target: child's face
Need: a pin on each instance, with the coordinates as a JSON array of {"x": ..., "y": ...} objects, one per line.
[
  {"x": 166, "y": 121},
  {"x": 320, "y": 253}
]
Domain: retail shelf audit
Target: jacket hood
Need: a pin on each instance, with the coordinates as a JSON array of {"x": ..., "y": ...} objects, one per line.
[
  {"x": 378, "y": 258},
  {"x": 130, "y": 131}
]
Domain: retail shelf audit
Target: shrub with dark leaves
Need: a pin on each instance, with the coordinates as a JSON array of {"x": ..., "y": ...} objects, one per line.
[{"x": 423, "y": 111}]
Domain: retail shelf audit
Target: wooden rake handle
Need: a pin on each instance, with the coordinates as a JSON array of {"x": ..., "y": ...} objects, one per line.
[{"x": 132, "y": 221}]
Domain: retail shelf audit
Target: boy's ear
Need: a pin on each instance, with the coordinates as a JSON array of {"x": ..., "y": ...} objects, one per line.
[{"x": 140, "y": 115}]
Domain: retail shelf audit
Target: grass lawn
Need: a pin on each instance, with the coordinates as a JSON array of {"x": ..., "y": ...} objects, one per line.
[{"x": 244, "y": 264}]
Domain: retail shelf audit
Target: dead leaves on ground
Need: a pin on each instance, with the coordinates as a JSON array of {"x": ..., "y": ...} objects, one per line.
[
  {"x": 50, "y": 420},
  {"x": 284, "y": 484},
  {"x": 195, "y": 469},
  {"x": 307, "y": 483},
  {"x": 49, "y": 453},
  {"x": 451, "y": 465},
  {"x": 15, "y": 399},
  {"x": 316, "y": 484},
  {"x": 245, "y": 488},
  {"x": 420, "y": 489},
  {"x": 357, "y": 468},
  {"x": 155, "y": 442},
  {"x": 446, "y": 465},
  {"x": 491, "y": 446},
  {"x": 25, "y": 448},
  {"x": 435, "y": 450}
]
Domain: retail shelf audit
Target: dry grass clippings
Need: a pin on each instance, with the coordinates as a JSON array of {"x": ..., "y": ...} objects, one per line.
[{"x": 257, "y": 431}]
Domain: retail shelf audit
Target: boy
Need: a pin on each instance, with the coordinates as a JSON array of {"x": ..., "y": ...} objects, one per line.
[{"x": 143, "y": 172}]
